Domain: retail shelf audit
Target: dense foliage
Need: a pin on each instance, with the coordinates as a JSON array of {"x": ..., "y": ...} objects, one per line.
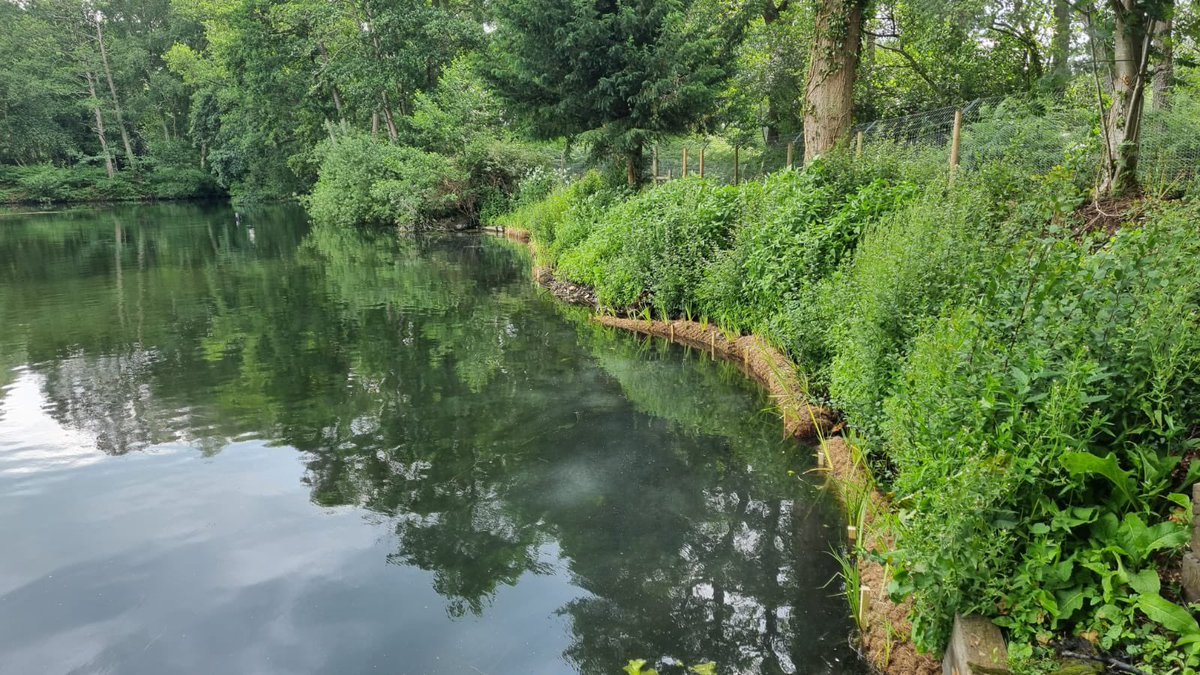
[
  {"x": 635, "y": 69},
  {"x": 140, "y": 99},
  {"x": 1027, "y": 390},
  {"x": 1025, "y": 386}
]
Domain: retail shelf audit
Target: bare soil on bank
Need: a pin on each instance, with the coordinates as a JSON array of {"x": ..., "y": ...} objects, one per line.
[{"x": 885, "y": 640}]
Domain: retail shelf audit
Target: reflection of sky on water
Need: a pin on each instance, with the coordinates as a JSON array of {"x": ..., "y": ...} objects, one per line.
[
  {"x": 30, "y": 439},
  {"x": 240, "y": 578}
]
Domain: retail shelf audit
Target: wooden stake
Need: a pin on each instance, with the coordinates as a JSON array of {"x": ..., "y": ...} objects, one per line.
[
  {"x": 736, "y": 168},
  {"x": 702, "y": 161},
  {"x": 864, "y": 605},
  {"x": 955, "y": 138},
  {"x": 683, "y": 173},
  {"x": 654, "y": 162},
  {"x": 790, "y": 148},
  {"x": 858, "y": 144}
]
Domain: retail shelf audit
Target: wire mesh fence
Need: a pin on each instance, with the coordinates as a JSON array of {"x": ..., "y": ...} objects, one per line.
[
  {"x": 1020, "y": 133},
  {"x": 719, "y": 161}
]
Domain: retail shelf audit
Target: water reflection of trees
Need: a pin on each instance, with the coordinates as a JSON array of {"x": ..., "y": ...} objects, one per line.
[{"x": 426, "y": 385}]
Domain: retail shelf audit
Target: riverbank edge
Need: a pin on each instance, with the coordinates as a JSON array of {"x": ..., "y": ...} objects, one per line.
[{"x": 883, "y": 637}]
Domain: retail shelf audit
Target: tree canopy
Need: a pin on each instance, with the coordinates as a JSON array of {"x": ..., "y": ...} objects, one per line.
[{"x": 119, "y": 99}]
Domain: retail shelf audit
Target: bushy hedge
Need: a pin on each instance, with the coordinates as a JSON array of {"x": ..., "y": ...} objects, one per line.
[
  {"x": 47, "y": 184},
  {"x": 1031, "y": 395},
  {"x": 752, "y": 257},
  {"x": 1037, "y": 434},
  {"x": 363, "y": 180}
]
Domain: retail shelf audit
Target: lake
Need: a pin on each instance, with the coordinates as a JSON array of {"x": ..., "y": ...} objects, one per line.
[{"x": 233, "y": 442}]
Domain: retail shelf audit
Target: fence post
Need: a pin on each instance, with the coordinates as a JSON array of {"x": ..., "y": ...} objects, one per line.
[
  {"x": 683, "y": 171},
  {"x": 955, "y": 139},
  {"x": 858, "y": 143},
  {"x": 654, "y": 162},
  {"x": 1191, "y": 558},
  {"x": 702, "y": 161},
  {"x": 737, "y": 174},
  {"x": 790, "y": 148}
]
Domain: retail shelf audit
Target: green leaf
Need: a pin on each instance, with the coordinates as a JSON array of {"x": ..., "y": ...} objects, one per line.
[
  {"x": 1181, "y": 500},
  {"x": 1087, "y": 464},
  {"x": 1145, "y": 582},
  {"x": 1168, "y": 615},
  {"x": 1069, "y": 601},
  {"x": 634, "y": 667}
]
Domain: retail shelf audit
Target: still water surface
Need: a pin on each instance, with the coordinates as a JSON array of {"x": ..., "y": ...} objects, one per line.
[{"x": 239, "y": 444}]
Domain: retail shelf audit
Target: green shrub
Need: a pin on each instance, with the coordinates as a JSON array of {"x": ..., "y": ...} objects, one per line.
[
  {"x": 46, "y": 183},
  {"x": 565, "y": 217},
  {"x": 797, "y": 231},
  {"x": 1170, "y": 153},
  {"x": 1036, "y": 436},
  {"x": 491, "y": 172},
  {"x": 652, "y": 248},
  {"x": 1031, "y": 395},
  {"x": 534, "y": 186},
  {"x": 1025, "y": 139},
  {"x": 363, "y": 181},
  {"x": 935, "y": 250}
]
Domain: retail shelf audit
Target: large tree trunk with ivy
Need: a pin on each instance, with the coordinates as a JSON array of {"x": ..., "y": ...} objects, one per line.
[
  {"x": 1123, "y": 123},
  {"x": 833, "y": 62}
]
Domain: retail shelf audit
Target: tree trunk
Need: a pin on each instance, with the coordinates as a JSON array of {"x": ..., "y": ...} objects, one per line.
[
  {"x": 1164, "y": 74},
  {"x": 375, "y": 124},
  {"x": 337, "y": 103},
  {"x": 833, "y": 62},
  {"x": 1060, "y": 44},
  {"x": 112, "y": 88},
  {"x": 108, "y": 163},
  {"x": 633, "y": 167},
  {"x": 337, "y": 98},
  {"x": 393, "y": 134},
  {"x": 1123, "y": 123}
]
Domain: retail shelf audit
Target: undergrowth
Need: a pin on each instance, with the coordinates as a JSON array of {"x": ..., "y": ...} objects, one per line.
[{"x": 1030, "y": 397}]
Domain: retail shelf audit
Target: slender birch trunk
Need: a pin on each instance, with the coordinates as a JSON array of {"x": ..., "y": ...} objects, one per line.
[
  {"x": 108, "y": 162},
  {"x": 112, "y": 88}
]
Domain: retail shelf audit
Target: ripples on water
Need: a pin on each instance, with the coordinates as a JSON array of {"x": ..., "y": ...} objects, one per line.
[{"x": 265, "y": 448}]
